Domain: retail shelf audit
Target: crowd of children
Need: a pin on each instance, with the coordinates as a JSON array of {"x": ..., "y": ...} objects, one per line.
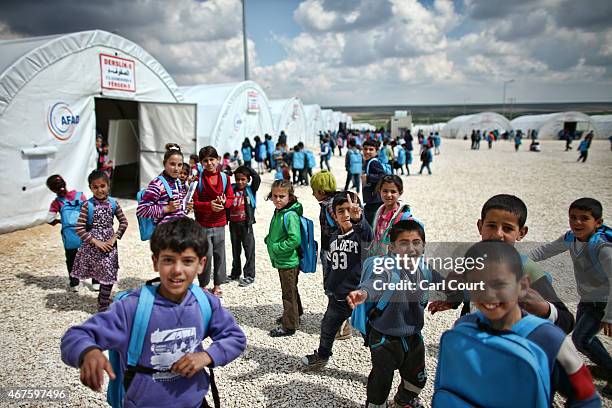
[{"x": 517, "y": 303}]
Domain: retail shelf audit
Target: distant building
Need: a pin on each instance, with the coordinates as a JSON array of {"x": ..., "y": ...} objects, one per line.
[{"x": 400, "y": 122}]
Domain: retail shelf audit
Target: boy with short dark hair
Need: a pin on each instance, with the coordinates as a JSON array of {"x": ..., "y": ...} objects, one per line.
[
  {"x": 500, "y": 328},
  {"x": 242, "y": 218},
  {"x": 503, "y": 218},
  {"x": 166, "y": 375},
  {"x": 343, "y": 271},
  {"x": 213, "y": 197},
  {"x": 372, "y": 172},
  {"x": 589, "y": 246},
  {"x": 394, "y": 338}
]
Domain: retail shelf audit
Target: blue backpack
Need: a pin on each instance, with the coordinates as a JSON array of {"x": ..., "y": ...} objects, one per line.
[
  {"x": 298, "y": 160},
  {"x": 363, "y": 313},
  {"x": 278, "y": 175},
  {"x": 386, "y": 166},
  {"x": 308, "y": 246},
  {"x": 69, "y": 215},
  {"x": 355, "y": 162},
  {"x": 247, "y": 154},
  {"x": 117, "y": 388},
  {"x": 401, "y": 157},
  {"x": 482, "y": 367},
  {"x": 603, "y": 234},
  {"x": 147, "y": 225},
  {"x": 310, "y": 159},
  {"x": 91, "y": 206},
  {"x": 382, "y": 155}
]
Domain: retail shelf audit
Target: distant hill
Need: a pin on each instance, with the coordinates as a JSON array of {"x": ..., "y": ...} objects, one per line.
[{"x": 378, "y": 115}]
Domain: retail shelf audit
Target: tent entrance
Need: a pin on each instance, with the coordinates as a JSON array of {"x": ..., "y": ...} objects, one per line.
[
  {"x": 137, "y": 133},
  {"x": 117, "y": 122},
  {"x": 570, "y": 127}
]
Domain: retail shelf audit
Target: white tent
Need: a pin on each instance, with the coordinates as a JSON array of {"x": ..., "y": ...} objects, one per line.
[
  {"x": 603, "y": 125},
  {"x": 314, "y": 124},
  {"x": 327, "y": 119},
  {"x": 349, "y": 121},
  {"x": 433, "y": 127},
  {"x": 463, "y": 125},
  {"x": 288, "y": 115},
  {"x": 549, "y": 125},
  {"x": 336, "y": 119},
  {"x": 363, "y": 126},
  {"x": 227, "y": 113},
  {"x": 56, "y": 92}
]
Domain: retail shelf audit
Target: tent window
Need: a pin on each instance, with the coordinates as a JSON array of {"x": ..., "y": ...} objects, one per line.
[{"x": 37, "y": 166}]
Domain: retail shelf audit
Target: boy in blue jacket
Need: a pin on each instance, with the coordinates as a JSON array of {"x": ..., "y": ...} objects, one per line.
[
  {"x": 372, "y": 173},
  {"x": 170, "y": 371},
  {"x": 395, "y": 339}
]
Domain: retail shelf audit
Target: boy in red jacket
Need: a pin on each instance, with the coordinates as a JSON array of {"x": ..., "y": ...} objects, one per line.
[{"x": 213, "y": 197}]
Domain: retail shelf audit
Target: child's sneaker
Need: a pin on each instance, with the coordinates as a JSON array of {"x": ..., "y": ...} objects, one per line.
[
  {"x": 95, "y": 287},
  {"x": 414, "y": 403},
  {"x": 74, "y": 288},
  {"x": 244, "y": 282},
  {"x": 281, "y": 332},
  {"x": 314, "y": 361}
]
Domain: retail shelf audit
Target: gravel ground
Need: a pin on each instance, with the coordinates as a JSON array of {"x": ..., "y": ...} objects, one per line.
[{"x": 37, "y": 309}]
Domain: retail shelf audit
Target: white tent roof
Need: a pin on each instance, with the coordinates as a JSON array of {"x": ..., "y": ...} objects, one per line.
[
  {"x": 603, "y": 124},
  {"x": 362, "y": 126},
  {"x": 463, "y": 125},
  {"x": 327, "y": 119},
  {"x": 21, "y": 60},
  {"x": 289, "y": 115},
  {"x": 549, "y": 125},
  {"x": 427, "y": 128},
  {"x": 48, "y": 87},
  {"x": 227, "y": 113},
  {"x": 314, "y": 124}
]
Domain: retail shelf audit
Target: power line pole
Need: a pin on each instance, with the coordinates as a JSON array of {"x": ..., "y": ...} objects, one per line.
[{"x": 244, "y": 44}]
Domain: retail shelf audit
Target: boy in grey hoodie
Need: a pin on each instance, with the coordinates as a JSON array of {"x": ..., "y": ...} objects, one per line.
[{"x": 589, "y": 244}]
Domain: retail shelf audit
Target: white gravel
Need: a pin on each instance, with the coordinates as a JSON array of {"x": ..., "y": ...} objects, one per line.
[{"x": 37, "y": 308}]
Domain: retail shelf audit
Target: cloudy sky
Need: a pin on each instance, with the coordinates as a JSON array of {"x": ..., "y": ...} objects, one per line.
[{"x": 359, "y": 52}]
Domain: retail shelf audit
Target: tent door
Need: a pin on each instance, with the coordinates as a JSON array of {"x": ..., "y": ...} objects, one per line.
[
  {"x": 162, "y": 123},
  {"x": 123, "y": 142}
]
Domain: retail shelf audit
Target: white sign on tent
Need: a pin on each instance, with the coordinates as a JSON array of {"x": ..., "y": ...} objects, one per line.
[
  {"x": 252, "y": 102},
  {"x": 117, "y": 73}
]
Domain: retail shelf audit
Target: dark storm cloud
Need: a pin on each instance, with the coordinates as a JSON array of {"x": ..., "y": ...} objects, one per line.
[
  {"x": 587, "y": 15},
  {"x": 169, "y": 22}
]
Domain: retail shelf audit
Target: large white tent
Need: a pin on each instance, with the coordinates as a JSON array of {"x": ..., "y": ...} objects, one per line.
[
  {"x": 549, "y": 125},
  {"x": 288, "y": 115},
  {"x": 314, "y": 124},
  {"x": 56, "y": 92},
  {"x": 227, "y": 113},
  {"x": 362, "y": 126},
  {"x": 427, "y": 128},
  {"x": 327, "y": 115},
  {"x": 603, "y": 125},
  {"x": 336, "y": 119},
  {"x": 463, "y": 125}
]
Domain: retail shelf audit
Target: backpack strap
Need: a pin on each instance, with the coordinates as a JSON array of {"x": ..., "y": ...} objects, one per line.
[
  {"x": 603, "y": 234},
  {"x": 166, "y": 185},
  {"x": 141, "y": 322},
  {"x": 370, "y": 162},
  {"x": 251, "y": 196},
  {"x": 204, "y": 306},
  {"x": 386, "y": 296},
  {"x": 330, "y": 220},
  {"x": 223, "y": 180},
  {"x": 527, "y": 325}
]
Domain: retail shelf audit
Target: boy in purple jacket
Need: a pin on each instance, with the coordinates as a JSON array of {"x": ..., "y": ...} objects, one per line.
[{"x": 172, "y": 354}]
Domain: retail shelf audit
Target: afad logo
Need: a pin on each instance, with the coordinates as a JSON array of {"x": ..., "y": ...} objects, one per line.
[{"x": 61, "y": 121}]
